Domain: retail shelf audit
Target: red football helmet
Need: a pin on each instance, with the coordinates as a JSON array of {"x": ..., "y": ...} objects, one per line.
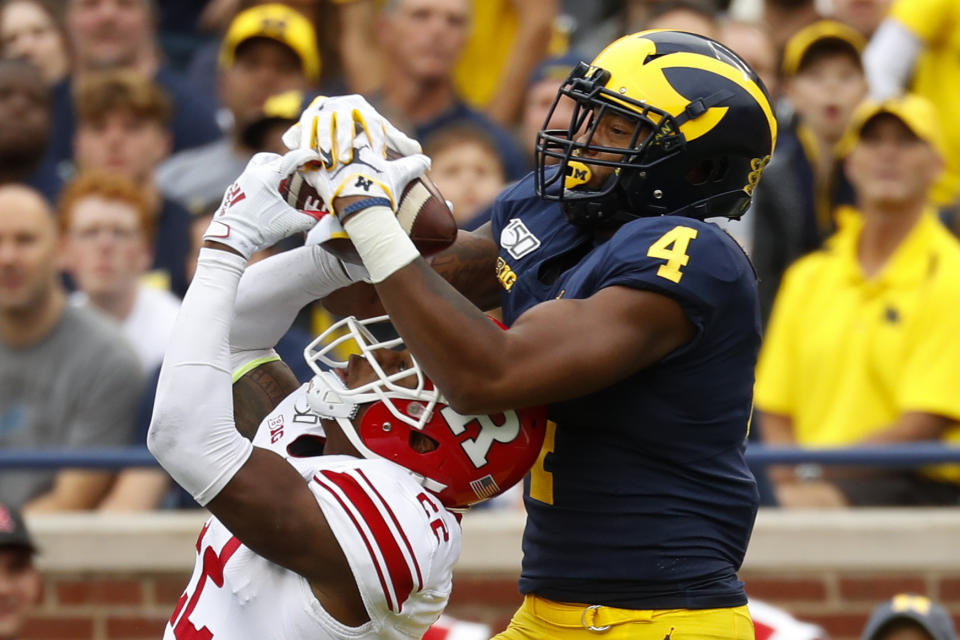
[{"x": 476, "y": 457}]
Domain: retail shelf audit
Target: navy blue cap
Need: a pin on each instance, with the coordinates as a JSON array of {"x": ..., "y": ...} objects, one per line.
[{"x": 928, "y": 615}]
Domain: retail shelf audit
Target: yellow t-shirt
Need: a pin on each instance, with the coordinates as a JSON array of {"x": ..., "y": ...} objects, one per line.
[
  {"x": 937, "y": 76},
  {"x": 493, "y": 26},
  {"x": 845, "y": 355}
]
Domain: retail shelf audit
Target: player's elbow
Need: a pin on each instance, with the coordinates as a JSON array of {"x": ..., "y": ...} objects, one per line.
[{"x": 161, "y": 437}]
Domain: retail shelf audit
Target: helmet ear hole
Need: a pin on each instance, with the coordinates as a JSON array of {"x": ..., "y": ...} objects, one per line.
[
  {"x": 709, "y": 170},
  {"x": 422, "y": 443}
]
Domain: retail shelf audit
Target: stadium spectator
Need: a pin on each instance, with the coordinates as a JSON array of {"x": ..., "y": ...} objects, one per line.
[
  {"x": 123, "y": 128},
  {"x": 506, "y": 40},
  {"x": 69, "y": 377},
  {"x": 33, "y": 30},
  {"x": 538, "y": 99},
  {"x": 695, "y": 16},
  {"x": 265, "y": 131},
  {"x": 635, "y": 320},
  {"x": 862, "y": 344},
  {"x": 20, "y": 583},
  {"x": 863, "y": 15},
  {"x": 268, "y": 49},
  {"x": 25, "y": 100},
  {"x": 753, "y": 44},
  {"x": 909, "y": 617},
  {"x": 107, "y": 227},
  {"x": 422, "y": 41},
  {"x": 794, "y": 207},
  {"x": 783, "y": 18},
  {"x": 466, "y": 169},
  {"x": 917, "y": 48},
  {"x": 119, "y": 34}
]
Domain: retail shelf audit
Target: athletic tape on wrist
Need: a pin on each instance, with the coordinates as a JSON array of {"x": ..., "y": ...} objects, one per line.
[{"x": 381, "y": 242}]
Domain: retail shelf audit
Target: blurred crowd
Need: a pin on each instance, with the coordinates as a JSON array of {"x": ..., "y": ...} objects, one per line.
[{"x": 123, "y": 121}]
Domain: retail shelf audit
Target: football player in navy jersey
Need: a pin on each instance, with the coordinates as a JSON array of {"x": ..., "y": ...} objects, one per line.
[{"x": 635, "y": 320}]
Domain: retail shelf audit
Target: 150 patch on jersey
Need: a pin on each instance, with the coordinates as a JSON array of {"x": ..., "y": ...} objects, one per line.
[{"x": 517, "y": 239}]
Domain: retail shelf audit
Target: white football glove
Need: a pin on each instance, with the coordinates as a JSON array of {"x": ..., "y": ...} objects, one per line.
[
  {"x": 253, "y": 215},
  {"x": 330, "y": 126},
  {"x": 329, "y": 227},
  {"x": 380, "y": 182}
]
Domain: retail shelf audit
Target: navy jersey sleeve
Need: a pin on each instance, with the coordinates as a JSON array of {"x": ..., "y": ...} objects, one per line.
[
  {"x": 693, "y": 262},
  {"x": 501, "y": 209}
]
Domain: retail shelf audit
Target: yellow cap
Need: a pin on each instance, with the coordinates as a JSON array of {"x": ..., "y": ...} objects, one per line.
[
  {"x": 277, "y": 22},
  {"x": 914, "y": 111},
  {"x": 799, "y": 44}
]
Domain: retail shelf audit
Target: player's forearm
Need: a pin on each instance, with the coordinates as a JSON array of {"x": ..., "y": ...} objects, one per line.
[
  {"x": 912, "y": 426},
  {"x": 273, "y": 291},
  {"x": 458, "y": 346},
  {"x": 192, "y": 433}
]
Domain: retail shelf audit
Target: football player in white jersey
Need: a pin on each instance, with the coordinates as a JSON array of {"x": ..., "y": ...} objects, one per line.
[{"x": 357, "y": 543}]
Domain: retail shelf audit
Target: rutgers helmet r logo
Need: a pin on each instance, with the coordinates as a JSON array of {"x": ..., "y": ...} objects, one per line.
[{"x": 517, "y": 239}]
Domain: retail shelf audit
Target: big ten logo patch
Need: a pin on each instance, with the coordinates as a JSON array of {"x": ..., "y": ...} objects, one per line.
[
  {"x": 757, "y": 165},
  {"x": 505, "y": 274},
  {"x": 275, "y": 425},
  {"x": 517, "y": 239}
]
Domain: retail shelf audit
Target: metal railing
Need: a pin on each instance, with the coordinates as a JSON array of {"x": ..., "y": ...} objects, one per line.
[{"x": 901, "y": 455}]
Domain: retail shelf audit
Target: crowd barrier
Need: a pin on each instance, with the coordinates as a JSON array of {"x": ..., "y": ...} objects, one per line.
[{"x": 904, "y": 455}]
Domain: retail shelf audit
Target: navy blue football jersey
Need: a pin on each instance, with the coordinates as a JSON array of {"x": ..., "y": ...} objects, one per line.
[{"x": 641, "y": 498}]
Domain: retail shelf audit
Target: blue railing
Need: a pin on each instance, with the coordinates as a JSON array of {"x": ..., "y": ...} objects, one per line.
[{"x": 902, "y": 455}]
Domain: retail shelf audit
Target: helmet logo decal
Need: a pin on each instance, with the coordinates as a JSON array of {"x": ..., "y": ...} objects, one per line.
[
  {"x": 490, "y": 432},
  {"x": 757, "y": 165},
  {"x": 517, "y": 239}
]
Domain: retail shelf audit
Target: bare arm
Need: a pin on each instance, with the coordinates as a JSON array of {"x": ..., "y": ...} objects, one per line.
[
  {"x": 911, "y": 427},
  {"x": 482, "y": 369},
  {"x": 777, "y": 430},
  {"x": 469, "y": 265},
  {"x": 73, "y": 490},
  {"x": 534, "y": 28},
  {"x": 258, "y": 393},
  {"x": 360, "y": 53},
  {"x": 136, "y": 490}
]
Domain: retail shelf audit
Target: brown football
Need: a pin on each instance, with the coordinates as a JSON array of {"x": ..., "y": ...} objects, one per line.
[{"x": 423, "y": 213}]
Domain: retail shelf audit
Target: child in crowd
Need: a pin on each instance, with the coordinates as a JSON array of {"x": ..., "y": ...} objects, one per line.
[{"x": 468, "y": 171}]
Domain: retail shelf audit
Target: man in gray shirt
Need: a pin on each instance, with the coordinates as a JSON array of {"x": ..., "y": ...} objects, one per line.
[{"x": 68, "y": 378}]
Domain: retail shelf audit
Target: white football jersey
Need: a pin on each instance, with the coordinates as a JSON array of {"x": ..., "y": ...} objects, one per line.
[{"x": 400, "y": 542}]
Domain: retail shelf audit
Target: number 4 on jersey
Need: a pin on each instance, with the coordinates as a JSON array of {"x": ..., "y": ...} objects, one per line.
[{"x": 672, "y": 247}]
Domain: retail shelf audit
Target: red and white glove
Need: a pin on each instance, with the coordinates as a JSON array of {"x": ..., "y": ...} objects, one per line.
[{"x": 253, "y": 215}]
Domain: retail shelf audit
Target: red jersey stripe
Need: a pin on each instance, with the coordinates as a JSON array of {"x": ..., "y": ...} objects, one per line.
[
  {"x": 398, "y": 570},
  {"x": 403, "y": 535},
  {"x": 366, "y": 542}
]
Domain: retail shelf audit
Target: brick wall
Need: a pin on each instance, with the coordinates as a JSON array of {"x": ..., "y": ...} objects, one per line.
[
  {"x": 120, "y": 577},
  {"x": 135, "y": 607}
]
